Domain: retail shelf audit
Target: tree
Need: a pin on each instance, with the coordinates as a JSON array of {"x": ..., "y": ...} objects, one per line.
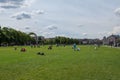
[{"x": 13, "y": 37}]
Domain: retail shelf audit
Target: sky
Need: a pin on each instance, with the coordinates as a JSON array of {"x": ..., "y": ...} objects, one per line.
[{"x": 70, "y": 18}]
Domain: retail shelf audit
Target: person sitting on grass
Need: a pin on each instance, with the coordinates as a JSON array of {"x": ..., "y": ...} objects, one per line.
[
  {"x": 50, "y": 47},
  {"x": 23, "y": 50},
  {"x": 40, "y": 53},
  {"x": 15, "y": 48},
  {"x": 78, "y": 49}
]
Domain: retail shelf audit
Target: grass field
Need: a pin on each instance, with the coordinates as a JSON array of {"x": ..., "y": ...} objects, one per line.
[{"x": 61, "y": 63}]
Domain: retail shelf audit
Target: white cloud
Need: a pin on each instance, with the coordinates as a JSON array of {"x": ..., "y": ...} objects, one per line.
[
  {"x": 84, "y": 34},
  {"x": 116, "y": 30},
  {"x": 52, "y": 27},
  {"x": 39, "y": 12},
  {"x": 22, "y": 15},
  {"x": 27, "y": 28},
  {"x": 81, "y": 25},
  {"x": 48, "y": 34},
  {"x": 64, "y": 35},
  {"x": 117, "y": 12},
  {"x": 12, "y": 4},
  {"x": 100, "y": 33},
  {"x": 105, "y": 33},
  {"x": 28, "y": 2},
  {"x": 2, "y": 10},
  {"x": 26, "y": 15},
  {"x": 109, "y": 33}
]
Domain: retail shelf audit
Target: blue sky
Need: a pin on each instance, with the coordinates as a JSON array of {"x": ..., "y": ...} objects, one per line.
[{"x": 70, "y": 18}]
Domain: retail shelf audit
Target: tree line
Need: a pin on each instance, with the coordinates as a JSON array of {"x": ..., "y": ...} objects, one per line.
[
  {"x": 9, "y": 36},
  {"x": 61, "y": 40}
]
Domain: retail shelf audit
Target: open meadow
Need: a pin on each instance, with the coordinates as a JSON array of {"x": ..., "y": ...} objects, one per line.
[{"x": 60, "y": 63}]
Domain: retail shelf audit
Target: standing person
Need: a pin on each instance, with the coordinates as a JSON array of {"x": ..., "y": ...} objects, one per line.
[{"x": 74, "y": 46}]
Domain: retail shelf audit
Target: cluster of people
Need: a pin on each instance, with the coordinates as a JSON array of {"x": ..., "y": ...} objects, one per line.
[
  {"x": 22, "y": 49},
  {"x": 75, "y": 47},
  {"x": 96, "y": 46},
  {"x": 34, "y": 46},
  {"x": 57, "y": 45},
  {"x": 50, "y": 47}
]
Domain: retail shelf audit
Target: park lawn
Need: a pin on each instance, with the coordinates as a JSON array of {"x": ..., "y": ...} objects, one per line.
[{"x": 60, "y": 63}]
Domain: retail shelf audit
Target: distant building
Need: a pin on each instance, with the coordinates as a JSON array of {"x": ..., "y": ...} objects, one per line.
[
  {"x": 85, "y": 41},
  {"x": 112, "y": 40},
  {"x": 105, "y": 41},
  {"x": 90, "y": 41},
  {"x": 41, "y": 39}
]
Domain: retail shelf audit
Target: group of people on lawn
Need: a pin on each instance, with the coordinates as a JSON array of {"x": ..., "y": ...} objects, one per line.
[{"x": 74, "y": 47}]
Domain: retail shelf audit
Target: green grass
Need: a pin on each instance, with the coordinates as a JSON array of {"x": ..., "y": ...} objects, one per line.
[{"x": 61, "y": 63}]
